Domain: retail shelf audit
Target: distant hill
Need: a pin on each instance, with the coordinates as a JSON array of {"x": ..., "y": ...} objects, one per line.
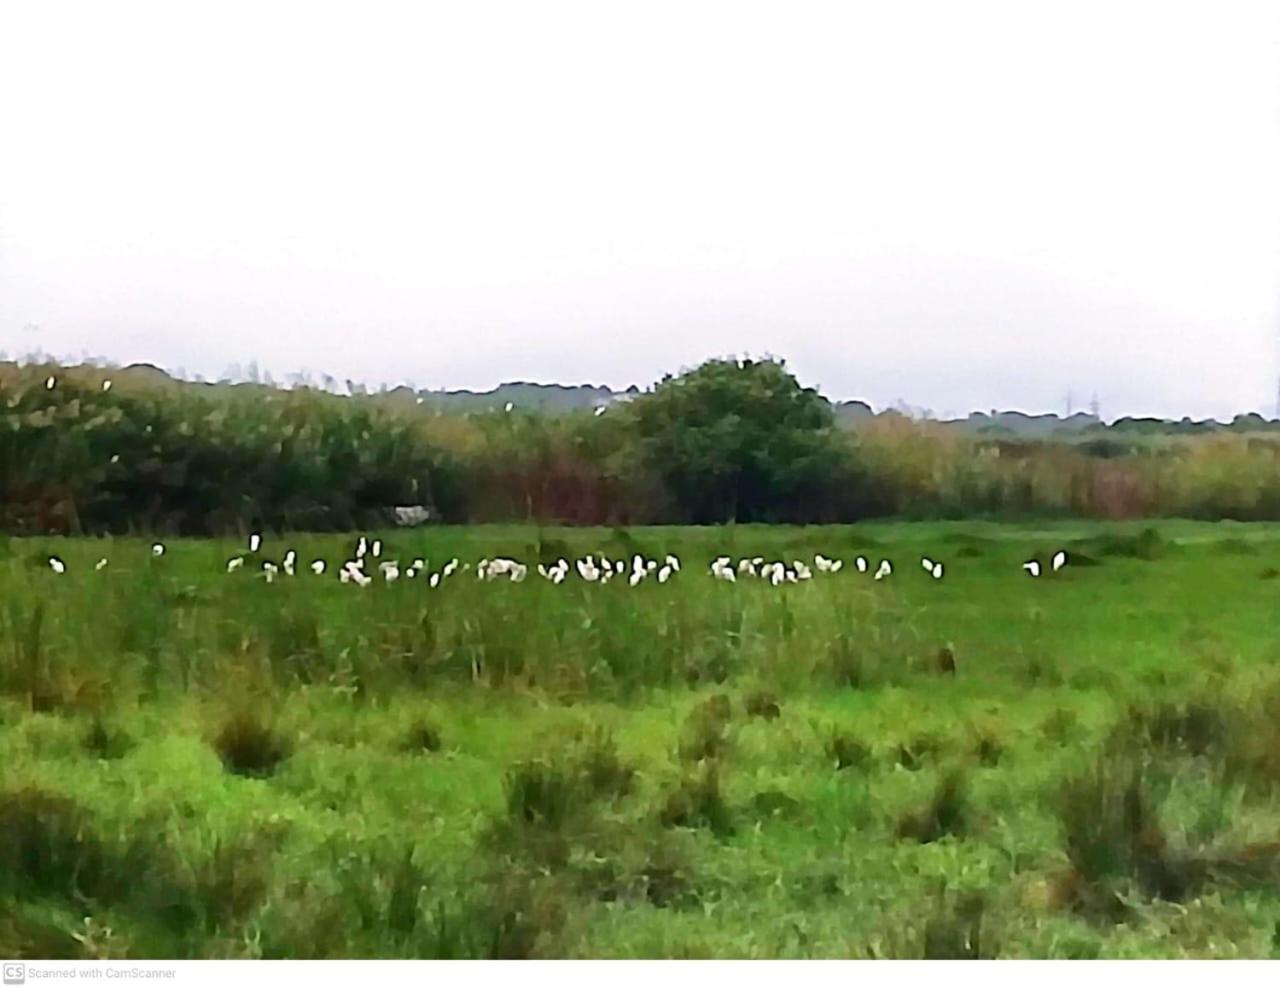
[
  {"x": 528, "y": 396},
  {"x": 562, "y": 399}
]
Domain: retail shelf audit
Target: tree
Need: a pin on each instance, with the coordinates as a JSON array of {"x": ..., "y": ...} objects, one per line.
[{"x": 740, "y": 440}]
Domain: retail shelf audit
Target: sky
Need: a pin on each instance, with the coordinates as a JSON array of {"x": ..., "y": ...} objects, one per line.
[{"x": 960, "y": 205}]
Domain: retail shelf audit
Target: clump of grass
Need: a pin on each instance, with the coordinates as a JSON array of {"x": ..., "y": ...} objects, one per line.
[
  {"x": 1111, "y": 825},
  {"x": 548, "y": 791},
  {"x": 50, "y": 845},
  {"x": 423, "y": 735},
  {"x": 773, "y": 802},
  {"x": 762, "y": 703},
  {"x": 106, "y": 742},
  {"x": 603, "y": 771},
  {"x": 250, "y": 745},
  {"x": 1061, "y": 727},
  {"x": 913, "y": 754},
  {"x": 542, "y": 794},
  {"x": 945, "y": 660},
  {"x": 953, "y": 932},
  {"x": 1268, "y": 573},
  {"x": 698, "y": 802},
  {"x": 944, "y": 815},
  {"x": 847, "y": 751},
  {"x": 1146, "y": 545},
  {"x": 987, "y": 747},
  {"x": 1195, "y": 727},
  {"x": 706, "y": 730}
]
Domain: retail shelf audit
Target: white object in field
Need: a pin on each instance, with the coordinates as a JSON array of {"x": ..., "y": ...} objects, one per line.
[
  {"x": 101, "y": 564},
  {"x": 1032, "y": 567},
  {"x": 317, "y": 567},
  {"x": 836, "y": 565},
  {"x": 885, "y": 568},
  {"x": 234, "y": 563},
  {"x": 361, "y": 547},
  {"x": 49, "y": 384},
  {"x": 157, "y": 549},
  {"x": 57, "y": 565},
  {"x": 377, "y": 548},
  {"x": 937, "y": 571},
  {"x": 411, "y": 514},
  {"x": 664, "y": 574},
  {"x": 927, "y": 564},
  {"x": 510, "y": 405},
  {"x": 106, "y": 385},
  {"x": 1059, "y": 560},
  {"x": 861, "y": 563},
  {"x": 255, "y": 542},
  {"x": 435, "y": 580},
  {"x": 636, "y": 577}
]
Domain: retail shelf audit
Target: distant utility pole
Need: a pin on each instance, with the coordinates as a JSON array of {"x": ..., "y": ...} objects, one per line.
[
  {"x": 1070, "y": 404},
  {"x": 1094, "y": 408}
]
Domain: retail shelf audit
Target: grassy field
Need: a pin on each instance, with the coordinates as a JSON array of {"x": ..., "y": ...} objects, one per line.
[{"x": 201, "y": 764}]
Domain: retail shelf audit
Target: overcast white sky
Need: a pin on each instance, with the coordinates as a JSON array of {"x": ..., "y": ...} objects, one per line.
[{"x": 962, "y": 204}]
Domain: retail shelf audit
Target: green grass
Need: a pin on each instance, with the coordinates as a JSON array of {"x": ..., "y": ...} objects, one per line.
[{"x": 198, "y": 764}]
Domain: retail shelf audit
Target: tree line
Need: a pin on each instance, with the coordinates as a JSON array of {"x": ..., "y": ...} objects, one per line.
[{"x": 732, "y": 440}]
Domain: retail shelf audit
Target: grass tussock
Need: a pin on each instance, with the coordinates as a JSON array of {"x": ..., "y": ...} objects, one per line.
[
  {"x": 706, "y": 730},
  {"x": 946, "y": 814},
  {"x": 697, "y": 802},
  {"x": 422, "y": 736},
  {"x": 249, "y": 744},
  {"x": 845, "y": 750}
]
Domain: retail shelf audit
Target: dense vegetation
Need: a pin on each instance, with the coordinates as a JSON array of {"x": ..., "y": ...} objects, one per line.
[
  {"x": 202, "y": 764},
  {"x": 731, "y": 440}
]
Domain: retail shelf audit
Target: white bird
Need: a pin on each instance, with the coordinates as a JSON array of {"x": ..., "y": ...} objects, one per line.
[
  {"x": 937, "y": 571},
  {"x": 673, "y": 562},
  {"x": 510, "y": 405},
  {"x": 664, "y": 574},
  {"x": 56, "y": 564},
  {"x": 636, "y": 577},
  {"x": 290, "y": 558},
  {"x": 101, "y": 564},
  {"x": 836, "y": 565},
  {"x": 377, "y": 548},
  {"x": 391, "y": 573},
  {"x": 1059, "y": 560},
  {"x": 884, "y": 569},
  {"x": 255, "y": 542},
  {"x": 435, "y": 580},
  {"x": 600, "y": 410},
  {"x": 361, "y": 547},
  {"x": 1032, "y": 567},
  {"x": 157, "y": 549},
  {"x": 106, "y": 385},
  {"x": 234, "y": 563},
  {"x": 861, "y": 563},
  {"x": 317, "y": 567},
  {"x": 49, "y": 384},
  {"x": 927, "y": 564}
]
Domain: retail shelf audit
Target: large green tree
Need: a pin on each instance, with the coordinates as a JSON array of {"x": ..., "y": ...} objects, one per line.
[{"x": 741, "y": 440}]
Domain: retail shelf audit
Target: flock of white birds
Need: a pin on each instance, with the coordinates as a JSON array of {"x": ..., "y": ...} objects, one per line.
[{"x": 366, "y": 561}]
